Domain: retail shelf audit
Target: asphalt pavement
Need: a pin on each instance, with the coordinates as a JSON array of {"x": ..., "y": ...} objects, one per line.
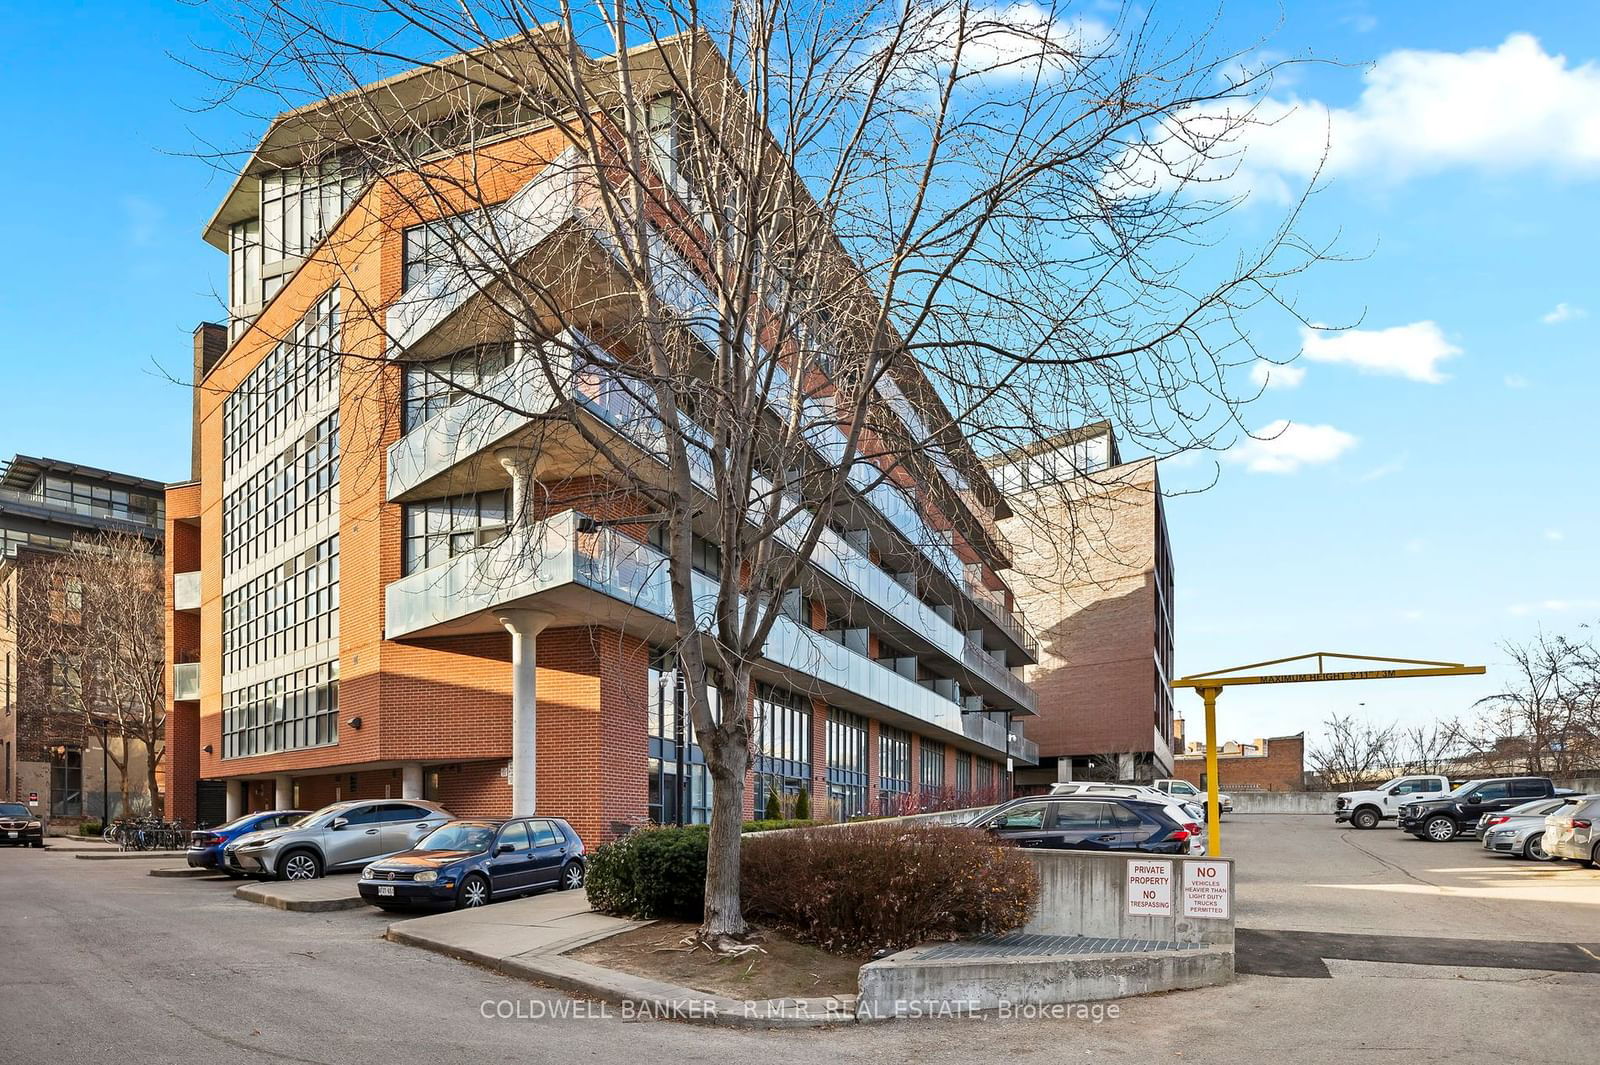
[{"x": 100, "y": 962}]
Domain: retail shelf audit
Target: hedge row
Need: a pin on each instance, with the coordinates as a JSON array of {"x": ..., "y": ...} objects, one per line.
[{"x": 853, "y": 890}]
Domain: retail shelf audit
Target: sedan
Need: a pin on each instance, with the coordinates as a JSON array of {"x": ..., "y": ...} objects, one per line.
[
  {"x": 206, "y": 844},
  {"x": 1519, "y": 830},
  {"x": 1094, "y": 824},
  {"x": 346, "y": 835},
  {"x": 468, "y": 863},
  {"x": 1569, "y": 832},
  {"x": 20, "y": 826}
]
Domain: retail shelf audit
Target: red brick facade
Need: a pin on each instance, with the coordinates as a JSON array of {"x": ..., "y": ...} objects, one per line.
[{"x": 1276, "y": 763}]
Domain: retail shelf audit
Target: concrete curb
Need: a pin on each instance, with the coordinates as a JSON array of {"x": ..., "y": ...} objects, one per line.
[
  {"x": 130, "y": 856},
  {"x": 189, "y": 872},
  {"x": 640, "y": 996},
  {"x": 266, "y": 897}
]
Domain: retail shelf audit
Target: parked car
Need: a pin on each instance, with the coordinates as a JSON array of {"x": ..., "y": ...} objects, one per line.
[
  {"x": 21, "y": 826},
  {"x": 1456, "y": 812},
  {"x": 1184, "y": 791},
  {"x": 470, "y": 863},
  {"x": 1079, "y": 822},
  {"x": 346, "y": 835},
  {"x": 1195, "y": 811},
  {"x": 1569, "y": 831},
  {"x": 1520, "y": 830},
  {"x": 205, "y": 844},
  {"x": 1364, "y": 809}
]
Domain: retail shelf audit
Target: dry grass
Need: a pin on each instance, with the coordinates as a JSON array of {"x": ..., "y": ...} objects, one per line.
[{"x": 782, "y": 968}]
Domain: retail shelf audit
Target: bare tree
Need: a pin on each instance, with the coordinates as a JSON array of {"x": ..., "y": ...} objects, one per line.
[
  {"x": 1353, "y": 752},
  {"x": 774, "y": 258},
  {"x": 102, "y": 632},
  {"x": 1432, "y": 748},
  {"x": 1544, "y": 720}
]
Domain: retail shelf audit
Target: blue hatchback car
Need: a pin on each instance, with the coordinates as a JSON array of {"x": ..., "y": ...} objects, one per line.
[{"x": 205, "y": 844}]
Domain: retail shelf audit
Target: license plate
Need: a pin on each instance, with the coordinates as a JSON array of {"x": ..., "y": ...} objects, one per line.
[
  {"x": 385, "y": 890},
  {"x": 12, "y": 835}
]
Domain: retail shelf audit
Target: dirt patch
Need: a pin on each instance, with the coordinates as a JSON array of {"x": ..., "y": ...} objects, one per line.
[{"x": 782, "y": 969}]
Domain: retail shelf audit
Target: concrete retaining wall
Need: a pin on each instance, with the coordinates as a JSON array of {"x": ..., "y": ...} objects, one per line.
[
  {"x": 1083, "y": 893},
  {"x": 1321, "y": 802}
]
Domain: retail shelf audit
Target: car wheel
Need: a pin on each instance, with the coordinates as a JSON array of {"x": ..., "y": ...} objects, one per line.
[
  {"x": 1440, "y": 829},
  {"x": 1594, "y": 857},
  {"x": 1533, "y": 850},
  {"x": 299, "y": 865},
  {"x": 474, "y": 892},
  {"x": 1366, "y": 817},
  {"x": 572, "y": 876}
]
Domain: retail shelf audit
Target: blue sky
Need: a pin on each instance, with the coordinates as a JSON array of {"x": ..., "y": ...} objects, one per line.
[{"x": 1435, "y": 492}]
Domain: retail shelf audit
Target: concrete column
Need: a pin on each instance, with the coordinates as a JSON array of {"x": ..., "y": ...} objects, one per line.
[
  {"x": 524, "y": 626},
  {"x": 283, "y": 792},
  {"x": 411, "y": 780},
  {"x": 235, "y": 799},
  {"x": 1063, "y": 769},
  {"x": 521, "y": 463}
]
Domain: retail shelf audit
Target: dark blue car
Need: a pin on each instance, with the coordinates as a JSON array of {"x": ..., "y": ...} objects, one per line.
[
  {"x": 471, "y": 862},
  {"x": 205, "y": 844}
]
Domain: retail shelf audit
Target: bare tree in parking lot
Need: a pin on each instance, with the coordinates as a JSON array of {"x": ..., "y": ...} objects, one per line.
[
  {"x": 1353, "y": 752},
  {"x": 103, "y": 634},
  {"x": 797, "y": 254},
  {"x": 1546, "y": 720}
]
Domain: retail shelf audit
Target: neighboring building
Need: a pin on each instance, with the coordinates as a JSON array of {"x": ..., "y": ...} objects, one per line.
[
  {"x": 1273, "y": 763},
  {"x": 1093, "y": 576},
  {"x": 336, "y": 633},
  {"x": 47, "y": 505}
]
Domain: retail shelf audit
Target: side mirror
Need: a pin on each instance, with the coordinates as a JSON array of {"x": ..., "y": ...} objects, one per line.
[
  {"x": 1474, "y": 799},
  {"x": 338, "y": 823},
  {"x": 504, "y": 848}
]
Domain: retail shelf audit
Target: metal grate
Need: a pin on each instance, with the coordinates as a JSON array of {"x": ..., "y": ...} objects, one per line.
[{"x": 1019, "y": 944}]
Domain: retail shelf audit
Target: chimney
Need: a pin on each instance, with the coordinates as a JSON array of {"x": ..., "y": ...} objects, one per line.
[
  {"x": 210, "y": 341},
  {"x": 1177, "y": 734}
]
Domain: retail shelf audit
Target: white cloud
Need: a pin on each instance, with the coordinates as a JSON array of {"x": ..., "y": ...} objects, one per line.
[
  {"x": 1412, "y": 351},
  {"x": 1554, "y": 606},
  {"x": 1516, "y": 380},
  {"x": 1003, "y": 40},
  {"x": 1267, "y": 374},
  {"x": 1563, "y": 312},
  {"x": 1284, "y": 447},
  {"x": 1504, "y": 109}
]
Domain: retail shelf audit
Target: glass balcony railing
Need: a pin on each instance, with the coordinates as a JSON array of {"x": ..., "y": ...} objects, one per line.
[
  {"x": 186, "y": 681},
  {"x": 105, "y": 511},
  {"x": 186, "y": 590}
]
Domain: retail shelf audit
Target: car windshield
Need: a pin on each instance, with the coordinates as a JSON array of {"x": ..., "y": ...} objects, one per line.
[
  {"x": 316, "y": 815},
  {"x": 1470, "y": 785},
  {"x": 474, "y": 839},
  {"x": 13, "y": 809}
]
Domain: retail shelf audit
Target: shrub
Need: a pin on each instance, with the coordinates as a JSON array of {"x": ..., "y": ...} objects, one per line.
[
  {"x": 802, "y": 805},
  {"x": 772, "y": 826},
  {"x": 90, "y": 828},
  {"x": 651, "y": 872},
  {"x": 875, "y": 887},
  {"x": 773, "y": 811}
]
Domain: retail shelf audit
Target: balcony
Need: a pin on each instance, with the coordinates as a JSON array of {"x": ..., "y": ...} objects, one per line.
[
  {"x": 1023, "y": 749},
  {"x": 585, "y": 575},
  {"x": 186, "y": 590},
  {"x": 186, "y": 681}
]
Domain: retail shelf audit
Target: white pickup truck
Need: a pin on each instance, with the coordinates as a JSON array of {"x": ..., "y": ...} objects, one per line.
[
  {"x": 1365, "y": 809},
  {"x": 1184, "y": 791}
]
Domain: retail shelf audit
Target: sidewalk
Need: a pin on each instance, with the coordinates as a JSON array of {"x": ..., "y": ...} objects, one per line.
[{"x": 529, "y": 938}]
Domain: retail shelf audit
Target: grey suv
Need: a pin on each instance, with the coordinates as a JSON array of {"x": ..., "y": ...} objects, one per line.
[{"x": 346, "y": 835}]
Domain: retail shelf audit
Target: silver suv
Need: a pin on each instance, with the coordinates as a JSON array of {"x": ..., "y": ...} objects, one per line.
[{"x": 346, "y": 835}]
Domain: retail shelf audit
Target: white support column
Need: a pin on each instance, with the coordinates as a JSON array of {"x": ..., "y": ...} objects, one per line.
[
  {"x": 524, "y": 626},
  {"x": 411, "y": 780},
  {"x": 522, "y": 464},
  {"x": 283, "y": 792},
  {"x": 235, "y": 799}
]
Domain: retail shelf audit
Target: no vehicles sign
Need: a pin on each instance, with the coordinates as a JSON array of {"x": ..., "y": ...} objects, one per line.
[
  {"x": 1149, "y": 888},
  {"x": 1205, "y": 889}
]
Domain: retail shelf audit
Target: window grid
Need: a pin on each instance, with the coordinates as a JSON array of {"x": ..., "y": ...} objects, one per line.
[
  {"x": 286, "y": 497},
  {"x": 963, "y": 773},
  {"x": 437, "y": 530},
  {"x": 300, "y": 374},
  {"x": 297, "y": 710},
  {"x": 430, "y": 387},
  {"x": 291, "y": 606},
  {"x": 847, "y": 765},
  {"x": 783, "y": 733},
  {"x": 932, "y": 766}
]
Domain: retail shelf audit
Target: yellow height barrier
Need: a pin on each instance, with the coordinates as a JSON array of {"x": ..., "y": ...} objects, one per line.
[{"x": 1210, "y": 685}]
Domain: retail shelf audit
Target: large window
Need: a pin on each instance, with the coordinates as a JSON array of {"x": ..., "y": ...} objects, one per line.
[
  {"x": 963, "y": 773},
  {"x": 847, "y": 765},
  {"x": 300, "y": 375},
  {"x": 299, "y": 709},
  {"x": 440, "y": 529},
  {"x": 678, "y": 777},
  {"x": 783, "y": 732},
  {"x": 66, "y": 783},
  {"x": 287, "y": 608},
  {"x": 98, "y": 500},
  {"x": 443, "y": 242},
  {"x": 932, "y": 766},
  {"x": 285, "y": 497},
  {"x": 430, "y": 387},
  {"x": 894, "y": 768},
  {"x": 300, "y": 204}
]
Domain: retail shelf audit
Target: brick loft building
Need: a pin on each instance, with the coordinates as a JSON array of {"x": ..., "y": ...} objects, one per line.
[
  {"x": 1271, "y": 763},
  {"x": 50, "y": 750},
  {"x": 1093, "y": 576},
  {"x": 362, "y": 613}
]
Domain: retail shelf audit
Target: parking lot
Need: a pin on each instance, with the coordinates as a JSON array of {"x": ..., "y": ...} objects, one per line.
[{"x": 106, "y": 964}]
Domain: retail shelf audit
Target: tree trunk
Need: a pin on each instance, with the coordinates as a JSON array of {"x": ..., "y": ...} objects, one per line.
[
  {"x": 151, "y": 764},
  {"x": 724, "y": 915}
]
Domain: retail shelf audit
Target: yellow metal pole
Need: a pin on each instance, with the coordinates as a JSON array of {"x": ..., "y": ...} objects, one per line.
[{"x": 1213, "y": 805}]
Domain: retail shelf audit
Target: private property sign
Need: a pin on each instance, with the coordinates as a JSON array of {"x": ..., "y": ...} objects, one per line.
[
  {"x": 1149, "y": 889},
  {"x": 1205, "y": 889}
]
